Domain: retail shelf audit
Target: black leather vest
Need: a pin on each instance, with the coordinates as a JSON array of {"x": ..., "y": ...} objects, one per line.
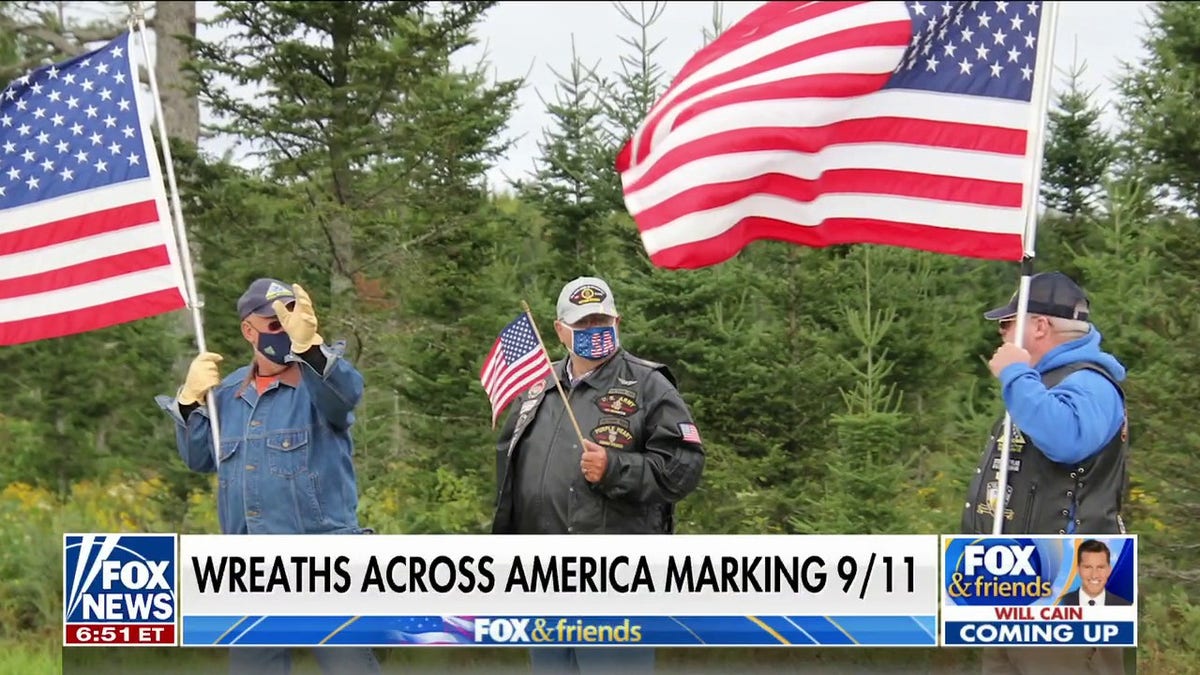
[{"x": 1046, "y": 497}]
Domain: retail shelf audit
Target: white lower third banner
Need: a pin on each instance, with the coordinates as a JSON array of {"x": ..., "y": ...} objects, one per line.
[{"x": 488, "y": 590}]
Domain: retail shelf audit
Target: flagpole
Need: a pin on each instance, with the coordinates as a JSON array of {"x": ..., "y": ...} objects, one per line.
[
  {"x": 557, "y": 383},
  {"x": 184, "y": 248},
  {"x": 1042, "y": 88}
]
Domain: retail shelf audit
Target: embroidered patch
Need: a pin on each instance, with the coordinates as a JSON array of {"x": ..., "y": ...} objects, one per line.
[
  {"x": 613, "y": 433},
  {"x": 537, "y": 389},
  {"x": 617, "y": 403},
  {"x": 588, "y": 295},
  {"x": 988, "y": 507},
  {"x": 689, "y": 432},
  {"x": 1014, "y": 465},
  {"x": 277, "y": 291}
]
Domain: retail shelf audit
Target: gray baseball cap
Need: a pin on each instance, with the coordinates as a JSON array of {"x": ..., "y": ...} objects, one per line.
[
  {"x": 260, "y": 297},
  {"x": 583, "y": 297}
]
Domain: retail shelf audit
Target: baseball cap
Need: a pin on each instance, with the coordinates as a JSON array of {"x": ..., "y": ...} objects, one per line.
[
  {"x": 585, "y": 296},
  {"x": 1050, "y": 294},
  {"x": 260, "y": 297}
]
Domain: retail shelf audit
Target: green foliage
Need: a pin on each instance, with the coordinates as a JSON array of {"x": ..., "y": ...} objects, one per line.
[
  {"x": 1078, "y": 151},
  {"x": 1160, "y": 102}
]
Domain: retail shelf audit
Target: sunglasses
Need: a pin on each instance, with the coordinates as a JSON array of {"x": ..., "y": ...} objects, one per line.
[
  {"x": 273, "y": 326},
  {"x": 1005, "y": 324}
]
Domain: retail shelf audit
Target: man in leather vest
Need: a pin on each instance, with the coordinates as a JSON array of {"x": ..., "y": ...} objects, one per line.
[
  {"x": 1067, "y": 456},
  {"x": 641, "y": 453}
]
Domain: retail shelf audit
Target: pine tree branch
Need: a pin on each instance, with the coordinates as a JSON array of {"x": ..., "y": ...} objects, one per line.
[{"x": 72, "y": 43}]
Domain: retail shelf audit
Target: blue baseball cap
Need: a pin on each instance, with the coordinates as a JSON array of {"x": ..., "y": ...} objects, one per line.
[{"x": 260, "y": 297}]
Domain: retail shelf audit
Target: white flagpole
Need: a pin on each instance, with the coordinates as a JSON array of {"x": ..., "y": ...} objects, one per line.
[
  {"x": 1043, "y": 79},
  {"x": 185, "y": 252}
]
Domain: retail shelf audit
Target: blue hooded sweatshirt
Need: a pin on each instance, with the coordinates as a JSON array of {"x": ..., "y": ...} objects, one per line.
[{"x": 1075, "y": 419}]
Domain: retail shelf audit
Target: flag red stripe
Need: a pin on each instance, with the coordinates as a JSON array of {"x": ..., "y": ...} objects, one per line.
[
  {"x": 85, "y": 272},
  {"x": 890, "y": 34},
  {"x": 91, "y": 318},
  {"x": 487, "y": 360},
  {"x": 822, "y": 86},
  {"x": 769, "y": 19},
  {"x": 78, "y": 227},
  {"x": 896, "y": 130},
  {"x": 825, "y": 85},
  {"x": 838, "y": 181},
  {"x": 835, "y": 231},
  {"x": 520, "y": 377}
]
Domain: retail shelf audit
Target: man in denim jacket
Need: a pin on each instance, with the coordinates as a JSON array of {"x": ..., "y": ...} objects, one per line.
[{"x": 286, "y": 458}]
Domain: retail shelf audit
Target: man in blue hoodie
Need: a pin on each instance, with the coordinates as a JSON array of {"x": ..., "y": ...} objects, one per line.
[{"x": 1068, "y": 449}]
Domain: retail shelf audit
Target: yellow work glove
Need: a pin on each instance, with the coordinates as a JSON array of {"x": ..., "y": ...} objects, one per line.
[
  {"x": 300, "y": 322},
  {"x": 202, "y": 375}
]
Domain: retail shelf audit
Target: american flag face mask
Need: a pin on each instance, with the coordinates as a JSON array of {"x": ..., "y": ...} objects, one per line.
[{"x": 594, "y": 343}]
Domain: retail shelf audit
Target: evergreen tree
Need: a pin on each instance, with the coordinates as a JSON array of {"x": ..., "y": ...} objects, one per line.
[
  {"x": 382, "y": 148},
  {"x": 568, "y": 182},
  {"x": 1160, "y": 103},
  {"x": 714, "y": 29},
  {"x": 1078, "y": 151}
]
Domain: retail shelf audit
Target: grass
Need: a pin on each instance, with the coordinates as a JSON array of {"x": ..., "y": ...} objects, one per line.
[{"x": 29, "y": 658}]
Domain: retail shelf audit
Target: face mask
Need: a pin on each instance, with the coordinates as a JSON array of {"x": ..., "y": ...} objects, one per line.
[
  {"x": 275, "y": 346},
  {"x": 594, "y": 343}
]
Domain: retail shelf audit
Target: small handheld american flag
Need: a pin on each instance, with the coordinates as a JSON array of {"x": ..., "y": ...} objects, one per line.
[{"x": 516, "y": 362}]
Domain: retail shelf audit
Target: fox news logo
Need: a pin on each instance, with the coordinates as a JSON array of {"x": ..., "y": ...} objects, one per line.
[{"x": 119, "y": 588}]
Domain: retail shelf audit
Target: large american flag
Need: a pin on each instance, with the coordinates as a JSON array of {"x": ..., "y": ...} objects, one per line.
[
  {"x": 819, "y": 123},
  {"x": 85, "y": 239},
  {"x": 516, "y": 362}
]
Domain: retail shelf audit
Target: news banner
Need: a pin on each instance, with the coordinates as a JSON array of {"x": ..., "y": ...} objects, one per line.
[{"x": 668, "y": 591}]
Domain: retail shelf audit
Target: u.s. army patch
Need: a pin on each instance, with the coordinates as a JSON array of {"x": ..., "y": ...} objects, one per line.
[{"x": 617, "y": 402}]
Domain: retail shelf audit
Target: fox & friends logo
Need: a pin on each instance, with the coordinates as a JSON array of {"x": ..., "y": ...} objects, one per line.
[
  {"x": 119, "y": 589},
  {"x": 996, "y": 571},
  {"x": 556, "y": 630},
  {"x": 1039, "y": 590}
]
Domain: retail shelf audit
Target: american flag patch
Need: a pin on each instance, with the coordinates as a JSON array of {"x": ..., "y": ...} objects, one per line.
[{"x": 689, "y": 432}]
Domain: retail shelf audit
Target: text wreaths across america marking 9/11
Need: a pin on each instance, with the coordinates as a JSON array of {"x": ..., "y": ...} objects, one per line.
[{"x": 581, "y": 575}]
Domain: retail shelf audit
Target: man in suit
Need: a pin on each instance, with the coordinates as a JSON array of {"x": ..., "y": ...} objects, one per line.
[{"x": 1094, "y": 561}]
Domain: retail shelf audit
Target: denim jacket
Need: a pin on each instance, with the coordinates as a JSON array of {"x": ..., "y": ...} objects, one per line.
[{"x": 286, "y": 456}]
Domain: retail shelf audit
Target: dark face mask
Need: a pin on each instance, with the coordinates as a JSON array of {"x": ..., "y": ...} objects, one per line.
[{"x": 275, "y": 346}]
